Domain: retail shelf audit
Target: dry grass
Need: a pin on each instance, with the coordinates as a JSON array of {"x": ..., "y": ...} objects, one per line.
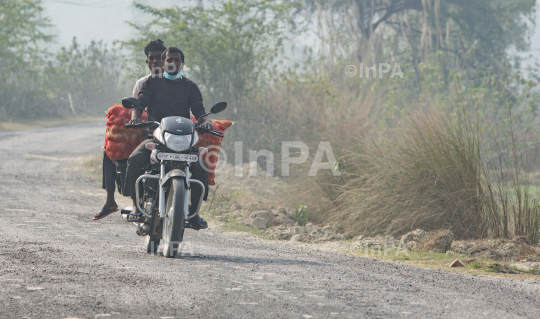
[
  {"x": 432, "y": 172},
  {"x": 426, "y": 175}
]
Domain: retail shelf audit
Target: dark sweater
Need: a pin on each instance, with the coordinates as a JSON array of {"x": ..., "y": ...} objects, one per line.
[{"x": 162, "y": 98}]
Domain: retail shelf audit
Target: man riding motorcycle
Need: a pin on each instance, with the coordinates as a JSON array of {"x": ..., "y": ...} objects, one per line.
[{"x": 169, "y": 95}]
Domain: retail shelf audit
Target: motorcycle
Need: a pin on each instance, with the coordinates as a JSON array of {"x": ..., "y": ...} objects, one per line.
[{"x": 163, "y": 192}]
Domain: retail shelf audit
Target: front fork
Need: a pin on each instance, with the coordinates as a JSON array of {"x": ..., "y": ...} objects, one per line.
[
  {"x": 162, "y": 192},
  {"x": 162, "y": 213}
]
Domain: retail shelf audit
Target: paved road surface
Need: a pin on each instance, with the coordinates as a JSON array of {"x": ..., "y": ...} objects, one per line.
[{"x": 55, "y": 262}]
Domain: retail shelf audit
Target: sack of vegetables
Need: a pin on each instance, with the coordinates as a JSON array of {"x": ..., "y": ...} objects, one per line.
[
  {"x": 120, "y": 142},
  {"x": 213, "y": 144}
]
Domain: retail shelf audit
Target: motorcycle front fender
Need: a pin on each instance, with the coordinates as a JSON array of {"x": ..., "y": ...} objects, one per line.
[
  {"x": 174, "y": 173},
  {"x": 177, "y": 173}
]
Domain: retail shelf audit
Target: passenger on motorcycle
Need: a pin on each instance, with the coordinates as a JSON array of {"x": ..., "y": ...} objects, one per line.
[
  {"x": 153, "y": 51},
  {"x": 169, "y": 95}
]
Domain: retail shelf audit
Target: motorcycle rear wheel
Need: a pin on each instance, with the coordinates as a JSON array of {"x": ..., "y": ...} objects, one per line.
[{"x": 173, "y": 223}]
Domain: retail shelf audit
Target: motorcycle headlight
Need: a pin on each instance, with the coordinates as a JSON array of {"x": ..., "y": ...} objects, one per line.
[{"x": 177, "y": 143}]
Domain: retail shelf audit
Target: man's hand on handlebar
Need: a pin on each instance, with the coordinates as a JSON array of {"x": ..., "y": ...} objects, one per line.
[
  {"x": 135, "y": 121},
  {"x": 207, "y": 124}
]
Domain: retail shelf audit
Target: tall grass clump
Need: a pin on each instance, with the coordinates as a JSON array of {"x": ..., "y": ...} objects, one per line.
[
  {"x": 426, "y": 174},
  {"x": 437, "y": 171}
]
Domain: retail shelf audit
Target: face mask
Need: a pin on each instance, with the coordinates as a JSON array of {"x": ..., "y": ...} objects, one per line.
[
  {"x": 176, "y": 76},
  {"x": 173, "y": 77}
]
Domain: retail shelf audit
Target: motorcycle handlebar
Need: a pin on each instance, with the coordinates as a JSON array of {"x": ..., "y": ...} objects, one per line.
[
  {"x": 216, "y": 133},
  {"x": 206, "y": 130},
  {"x": 142, "y": 124}
]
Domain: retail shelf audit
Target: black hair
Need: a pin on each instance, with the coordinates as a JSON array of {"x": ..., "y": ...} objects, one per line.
[
  {"x": 154, "y": 45},
  {"x": 172, "y": 50}
]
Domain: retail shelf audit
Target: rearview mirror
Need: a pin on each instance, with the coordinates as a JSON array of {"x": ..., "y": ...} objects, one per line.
[
  {"x": 131, "y": 103},
  {"x": 219, "y": 107}
]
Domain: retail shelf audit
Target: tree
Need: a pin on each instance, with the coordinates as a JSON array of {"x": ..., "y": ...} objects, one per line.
[
  {"x": 36, "y": 84},
  {"x": 22, "y": 25},
  {"x": 227, "y": 46},
  {"x": 88, "y": 79},
  {"x": 475, "y": 32}
]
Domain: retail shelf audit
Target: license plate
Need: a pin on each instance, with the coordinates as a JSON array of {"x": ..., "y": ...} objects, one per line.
[{"x": 177, "y": 157}]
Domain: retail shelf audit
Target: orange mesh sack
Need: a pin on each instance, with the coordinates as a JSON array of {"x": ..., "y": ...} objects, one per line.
[
  {"x": 120, "y": 142},
  {"x": 213, "y": 144}
]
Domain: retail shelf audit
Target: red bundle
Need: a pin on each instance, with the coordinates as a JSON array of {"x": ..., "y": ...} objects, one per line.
[
  {"x": 213, "y": 144},
  {"x": 120, "y": 142}
]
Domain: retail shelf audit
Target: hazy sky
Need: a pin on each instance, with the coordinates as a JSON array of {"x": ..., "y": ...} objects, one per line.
[
  {"x": 89, "y": 20},
  {"x": 106, "y": 20}
]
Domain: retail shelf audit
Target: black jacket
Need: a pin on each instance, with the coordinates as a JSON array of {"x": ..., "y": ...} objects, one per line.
[{"x": 162, "y": 98}]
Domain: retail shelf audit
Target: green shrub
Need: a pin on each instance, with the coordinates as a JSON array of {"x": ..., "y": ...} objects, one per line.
[{"x": 300, "y": 215}]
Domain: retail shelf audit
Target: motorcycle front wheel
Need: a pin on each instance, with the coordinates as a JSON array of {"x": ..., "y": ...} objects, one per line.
[{"x": 173, "y": 223}]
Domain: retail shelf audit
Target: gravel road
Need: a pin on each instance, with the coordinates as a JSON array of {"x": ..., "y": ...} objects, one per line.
[{"x": 55, "y": 262}]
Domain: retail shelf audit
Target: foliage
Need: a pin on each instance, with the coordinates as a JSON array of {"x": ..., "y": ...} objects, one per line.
[
  {"x": 90, "y": 76},
  {"x": 429, "y": 157},
  {"x": 477, "y": 33},
  {"x": 438, "y": 169},
  {"x": 484, "y": 91},
  {"x": 21, "y": 58},
  {"x": 37, "y": 85},
  {"x": 300, "y": 215},
  {"x": 227, "y": 47}
]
